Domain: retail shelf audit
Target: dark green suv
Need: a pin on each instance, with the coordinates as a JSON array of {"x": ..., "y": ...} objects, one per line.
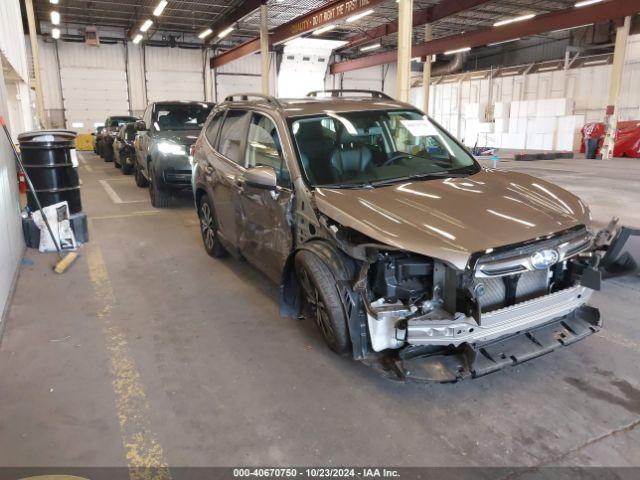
[{"x": 165, "y": 135}]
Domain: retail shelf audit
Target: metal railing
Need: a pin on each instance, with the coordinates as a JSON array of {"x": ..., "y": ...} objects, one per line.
[{"x": 342, "y": 92}]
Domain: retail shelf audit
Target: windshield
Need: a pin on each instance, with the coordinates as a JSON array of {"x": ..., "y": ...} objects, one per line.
[
  {"x": 375, "y": 147},
  {"x": 120, "y": 121},
  {"x": 181, "y": 116}
]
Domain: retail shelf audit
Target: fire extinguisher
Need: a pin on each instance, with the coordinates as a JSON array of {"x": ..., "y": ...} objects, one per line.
[{"x": 22, "y": 183}]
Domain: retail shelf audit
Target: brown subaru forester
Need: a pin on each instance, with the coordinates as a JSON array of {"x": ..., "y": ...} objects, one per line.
[{"x": 383, "y": 229}]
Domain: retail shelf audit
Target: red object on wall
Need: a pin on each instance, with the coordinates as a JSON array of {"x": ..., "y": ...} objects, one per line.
[
  {"x": 627, "y": 140},
  {"x": 22, "y": 182}
]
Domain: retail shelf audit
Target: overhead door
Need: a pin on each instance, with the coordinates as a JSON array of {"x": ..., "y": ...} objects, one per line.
[
  {"x": 94, "y": 83},
  {"x": 174, "y": 74}
]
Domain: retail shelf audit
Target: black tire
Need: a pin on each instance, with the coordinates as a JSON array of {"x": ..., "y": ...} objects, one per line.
[
  {"x": 322, "y": 301},
  {"x": 140, "y": 179},
  {"x": 159, "y": 196},
  {"x": 117, "y": 164},
  {"x": 209, "y": 229},
  {"x": 127, "y": 168},
  {"x": 108, "y": 153}
]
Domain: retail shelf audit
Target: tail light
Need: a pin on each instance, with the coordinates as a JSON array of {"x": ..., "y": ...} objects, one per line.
[{"x": 192, "y": 150}]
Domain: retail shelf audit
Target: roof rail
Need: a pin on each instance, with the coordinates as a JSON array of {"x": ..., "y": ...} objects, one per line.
[
  {"x": 341, "y": 92},
  {"x": 245, "y": 97}
]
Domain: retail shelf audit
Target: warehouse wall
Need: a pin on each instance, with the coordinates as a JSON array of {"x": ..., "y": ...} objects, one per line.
[
  {"x": 85, "y": 84},
  {"x": 14, "y": 75},
  {"x": 242, "y": 75}
]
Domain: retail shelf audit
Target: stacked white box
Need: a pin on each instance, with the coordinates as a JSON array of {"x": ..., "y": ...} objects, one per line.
[
  {"x": 518, "y": 125},
  {"x": 569, "y": 136},
  {"x": 485, "y": 127},
  {"x": 477, "y": 111},
  {"x": 501, "y": 126},
  {"x": 542, "y": 125},
  {"x": 515, "y": 141},
  {"x": 501, "y": 110},
  {"x": 554, "y": 107}
]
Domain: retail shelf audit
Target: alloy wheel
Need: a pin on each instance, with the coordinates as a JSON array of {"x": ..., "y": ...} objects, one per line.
[
  {"x": 207, "y": 226},
  {"x": 317, "y": 308}
]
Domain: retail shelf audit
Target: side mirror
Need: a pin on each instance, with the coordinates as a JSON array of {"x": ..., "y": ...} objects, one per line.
[
  {"x": 261, "y": 177},
  {"x": 141, "y": 126}
]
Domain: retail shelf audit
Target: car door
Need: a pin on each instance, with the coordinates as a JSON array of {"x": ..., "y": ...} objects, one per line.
[
  {"x": 142, "y": 139},
  {"x": 265, "y": 236},
  {"x": 224, "y": 165}
]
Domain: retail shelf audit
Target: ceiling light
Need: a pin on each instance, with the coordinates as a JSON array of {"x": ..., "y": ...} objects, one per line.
[
  {"x": 358, "y": 16},
  {"x": 137, "y": 38},
  {"x": 321, "y": 30},
  {"x": 571, "y": 28},
  {"x": 146, "y": 25},
  {"x": 55, "y": 2},
  {"x": 205, "y": 33},
  {"x": 521, "y": 18},
  {"x": 459, "y": 50},
  {"x": 500, "y": 43},
  {"x": 548, "y": 69},
  {"x": 55, "y": 33},
  {"x": 509, "y": 74},
  {"x": 160, "y": 8},
  {"x": 370, "y": 47},
  {"x": 586, "y": 2},
  {"x": 55, "y": 18},
  {"x": 478, "y": 77},
  {"x": 596, "y": 62},
  {"x": 225, "y": 32}
]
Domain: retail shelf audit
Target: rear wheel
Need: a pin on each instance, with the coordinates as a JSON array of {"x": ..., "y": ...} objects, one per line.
[
  {"x": 127, "y": 167},
  {"x": 159, "y": 195},
  {"x": 140, "y": 179},
  {"x": 322, "y": 301},
  {"x": 209, "y": 229}
]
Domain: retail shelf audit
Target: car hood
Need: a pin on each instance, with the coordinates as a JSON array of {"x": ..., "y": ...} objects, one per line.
[
  {"x": 450, "y": 219},
  {"x": 181, "y": 137}
]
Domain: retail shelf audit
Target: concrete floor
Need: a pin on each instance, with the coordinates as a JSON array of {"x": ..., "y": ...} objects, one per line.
[{"x": 149, "y": 351}]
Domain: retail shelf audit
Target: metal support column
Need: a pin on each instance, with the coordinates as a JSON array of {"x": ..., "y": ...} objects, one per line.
[
  {"x": 426, "y": 71},
  {"x": 35, "y": 55},
  {"x": 264, "y": 47},
  {"x": 611, "y": 119},
  {"x": 405, "y": 25}
]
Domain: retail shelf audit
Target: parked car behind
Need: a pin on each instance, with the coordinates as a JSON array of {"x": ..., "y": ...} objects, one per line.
[
  {"x": 104, "y": 140},
  {"x": 163, "y": 159},
  {"x": 405, "y": 252},
  {"x": 95, "y": 135},
  {"x": 124, "y": 154}
]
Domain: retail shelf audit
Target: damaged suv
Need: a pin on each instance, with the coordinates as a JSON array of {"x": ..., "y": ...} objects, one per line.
[{"x": 383, "y": 229}]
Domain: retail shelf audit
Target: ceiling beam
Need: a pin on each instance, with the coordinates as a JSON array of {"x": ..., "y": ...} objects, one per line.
[
  {"x": 430, "y": 14},
  {"x": 228, "y": 19},
  {"x": 571, "y": 17},
  {"x": 325, "y": 15}
]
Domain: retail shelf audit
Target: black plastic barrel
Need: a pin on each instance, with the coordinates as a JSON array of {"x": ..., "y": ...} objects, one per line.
[{"x": 49, "y": 160}]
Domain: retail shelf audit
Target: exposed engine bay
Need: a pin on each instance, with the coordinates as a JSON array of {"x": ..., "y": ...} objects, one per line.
[{"x": 509, "y": 305}]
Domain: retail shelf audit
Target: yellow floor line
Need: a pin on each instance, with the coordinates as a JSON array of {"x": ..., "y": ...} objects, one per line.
[
  {"x": 619, "y": 340},
  {"x": 145, "y": 456},
  {"x": 126, "y": 215}
]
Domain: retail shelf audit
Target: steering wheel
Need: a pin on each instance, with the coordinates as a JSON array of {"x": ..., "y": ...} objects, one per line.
[{"x": 395, "y": 157}]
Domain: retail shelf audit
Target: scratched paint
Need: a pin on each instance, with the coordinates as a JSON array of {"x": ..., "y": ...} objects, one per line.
[{"x": 144, "y": 454}]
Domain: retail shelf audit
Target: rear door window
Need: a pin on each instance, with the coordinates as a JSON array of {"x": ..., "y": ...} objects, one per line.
[
  {"x": 213, "y": 128},
  {"x": 233, "y": 135}
]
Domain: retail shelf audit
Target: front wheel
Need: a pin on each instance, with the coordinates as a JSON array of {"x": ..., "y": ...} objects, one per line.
[
  {"x": 159, "y": 195},
  {"x": 140, "y": 179},
  {"x": 322, "y": 301},
  {"x": 209, "y": 229}
]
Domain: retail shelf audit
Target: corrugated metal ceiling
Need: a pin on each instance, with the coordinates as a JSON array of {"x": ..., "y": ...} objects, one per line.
[{"x": 193, "y": 16}]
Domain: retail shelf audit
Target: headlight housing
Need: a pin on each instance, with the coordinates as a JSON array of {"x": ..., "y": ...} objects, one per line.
[{"x": 170, "y": 148}]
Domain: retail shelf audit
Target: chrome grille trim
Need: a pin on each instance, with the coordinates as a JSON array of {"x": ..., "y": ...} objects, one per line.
[{"x": 518, "y": 259}]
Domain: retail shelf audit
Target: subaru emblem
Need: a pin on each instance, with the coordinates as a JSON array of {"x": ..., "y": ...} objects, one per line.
[{"x": 543, "y": 259}]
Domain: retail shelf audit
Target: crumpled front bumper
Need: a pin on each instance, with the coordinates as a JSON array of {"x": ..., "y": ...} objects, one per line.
[{"x": 475, "y": 360}]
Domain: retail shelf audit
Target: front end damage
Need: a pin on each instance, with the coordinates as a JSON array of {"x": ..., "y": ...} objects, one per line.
[{"x": 414, "y": 317}]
